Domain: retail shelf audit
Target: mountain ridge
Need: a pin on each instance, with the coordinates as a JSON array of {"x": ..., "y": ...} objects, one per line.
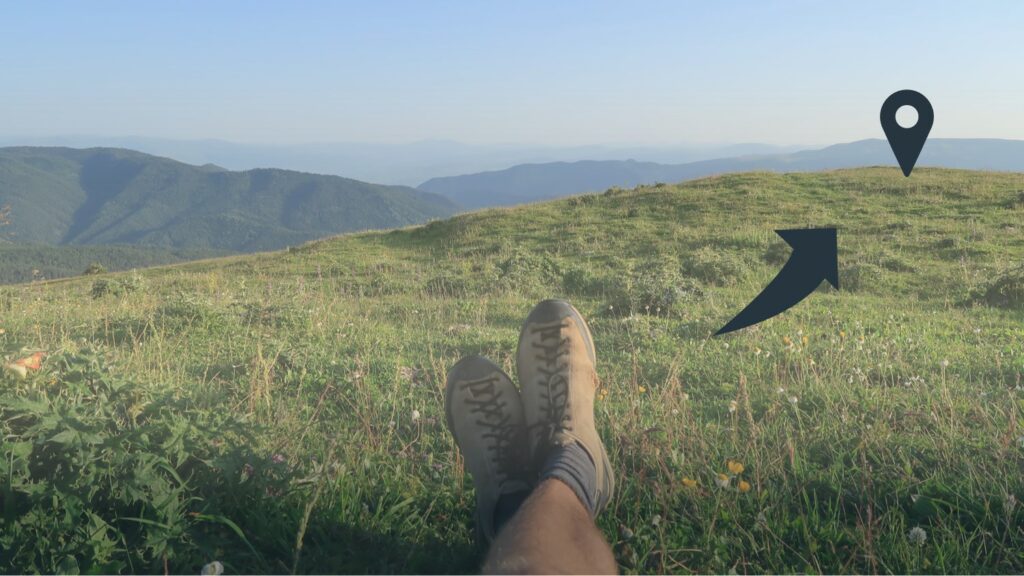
[
  {"x": 72, "y": 196},
  {"x": 533, "y": 182}
]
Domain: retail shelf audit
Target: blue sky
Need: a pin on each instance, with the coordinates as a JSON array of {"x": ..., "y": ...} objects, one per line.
[{"x": 545, "y": 72}]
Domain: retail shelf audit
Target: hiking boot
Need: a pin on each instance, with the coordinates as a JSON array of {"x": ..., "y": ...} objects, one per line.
[
  {"x": 558, "y": 381},
  {"x": 485, "y": 416}
]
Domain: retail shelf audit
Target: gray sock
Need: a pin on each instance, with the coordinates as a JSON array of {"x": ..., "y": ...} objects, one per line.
[{"x": 573, "y": 466}]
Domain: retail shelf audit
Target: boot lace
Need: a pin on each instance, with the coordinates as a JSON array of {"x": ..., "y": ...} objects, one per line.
[
  {"x": 552, "y": 353},
  {"x": 501, "y": 435}
]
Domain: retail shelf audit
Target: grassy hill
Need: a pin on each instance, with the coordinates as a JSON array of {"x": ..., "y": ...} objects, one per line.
[
  {"x": 284, "y": 411},
  {"x": 61, "y": 196}
]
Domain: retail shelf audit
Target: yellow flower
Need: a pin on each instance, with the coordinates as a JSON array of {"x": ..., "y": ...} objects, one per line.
[
  {"x": 842, "y": 334},
  {"x": 743, "y": 486},
  {"x": 734, "y": 467},
  {"x": 804, "y": 340},
  {"x": 786, "y": 340},
  {"x": 722, "y": 480},
  {"x": 689, "y": 482},
  {"x": 642, "y": 389}
]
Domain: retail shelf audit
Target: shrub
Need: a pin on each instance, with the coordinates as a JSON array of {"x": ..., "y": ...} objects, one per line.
[
  {"x": 777, "y": 253},
  {"x": 1004, "y": 291},
  {"x": 95, "y": 268},
  {"x": 713, "y": 267},
  {"x": 655, "y": 286},
  {"x": 581, "y": 281},
  {"x": 103, "y": 475},
  {"x": 523, "y": 269},
  {"x": 859, "y": 277},
  {"x": 117, "y": 287}
]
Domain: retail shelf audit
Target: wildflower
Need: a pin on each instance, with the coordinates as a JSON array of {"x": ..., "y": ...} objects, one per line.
[
  {"x": 689, "y": 483},
  {"x": 732, "y": 406},
  {"x": 32, "y": 362},
  {"x": 686, "y": 396},
  {"x": 780, "y": 390},
  {"x": 277, "y": 458},
  {"x": 656, "y": 520},
  {"x": 793, "y": 400},
  {"x": 757, "y": 351},
  {"x": 214, "y": 568},
  {"x": 734, "y": 467},
  {"x": 20, "y": 371},
  {"x": 917, "y": 535},
  {"x": 804, "y": 340},
  {"x": 842, "y": 335},
  {"x": 726, "y": 345},
  {"x": 722, "y": 480},
  {"x": 642, "y": 389},
  {"x": 675, "y": 412},
  {"x": 2, "y": 331},
  {"x": 415, "y": 415},
  {"x": 944, "y": 363},
  {"x": 787, "y": 341},
  {"x": 743, "y": 486}
]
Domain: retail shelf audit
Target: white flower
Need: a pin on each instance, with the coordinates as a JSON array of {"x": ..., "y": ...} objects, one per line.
[
  {"x": 917, "y": 535},
  {"x": 732, "y": 406},
  {"x": 415, "y": 415},
  {"x": 793, "y": 400},
  {"x": 214, "y": 568},
  {"x": 944, "y": 363},
  {"x": 722, "y": 480},
  {"x": 780, "y": 390}
]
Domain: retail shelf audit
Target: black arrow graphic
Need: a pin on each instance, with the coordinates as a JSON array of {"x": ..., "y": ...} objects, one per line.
[{"x": 814, "y": 258}]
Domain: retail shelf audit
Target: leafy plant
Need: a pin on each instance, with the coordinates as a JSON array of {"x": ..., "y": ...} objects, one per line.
[{"x": 101, "y": 474}]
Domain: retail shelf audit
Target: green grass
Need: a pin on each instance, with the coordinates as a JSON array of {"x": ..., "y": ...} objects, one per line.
[{"x": 258, "y": 410}]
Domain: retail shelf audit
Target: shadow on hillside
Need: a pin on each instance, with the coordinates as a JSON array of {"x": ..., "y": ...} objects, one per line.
[{"x": 103, "y": 177}]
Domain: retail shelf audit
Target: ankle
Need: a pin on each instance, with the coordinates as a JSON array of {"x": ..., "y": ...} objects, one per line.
[{"x": 571, "y": 465}]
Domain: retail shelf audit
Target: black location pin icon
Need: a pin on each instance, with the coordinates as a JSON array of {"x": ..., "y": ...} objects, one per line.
[{"x": 906, "y": 143}]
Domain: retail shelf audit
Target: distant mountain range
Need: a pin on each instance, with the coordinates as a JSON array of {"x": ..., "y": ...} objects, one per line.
[
  {"x": 65, "y": 196},
  {"x": 405, "y": 164},
  {"x": 533, "y": 182}
]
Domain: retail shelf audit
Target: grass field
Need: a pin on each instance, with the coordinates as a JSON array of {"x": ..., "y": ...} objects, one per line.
[{"x": 283, "y": 412}]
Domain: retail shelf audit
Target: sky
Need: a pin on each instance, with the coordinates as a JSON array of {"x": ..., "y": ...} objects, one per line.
[{"x": 488, "y": 72}]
